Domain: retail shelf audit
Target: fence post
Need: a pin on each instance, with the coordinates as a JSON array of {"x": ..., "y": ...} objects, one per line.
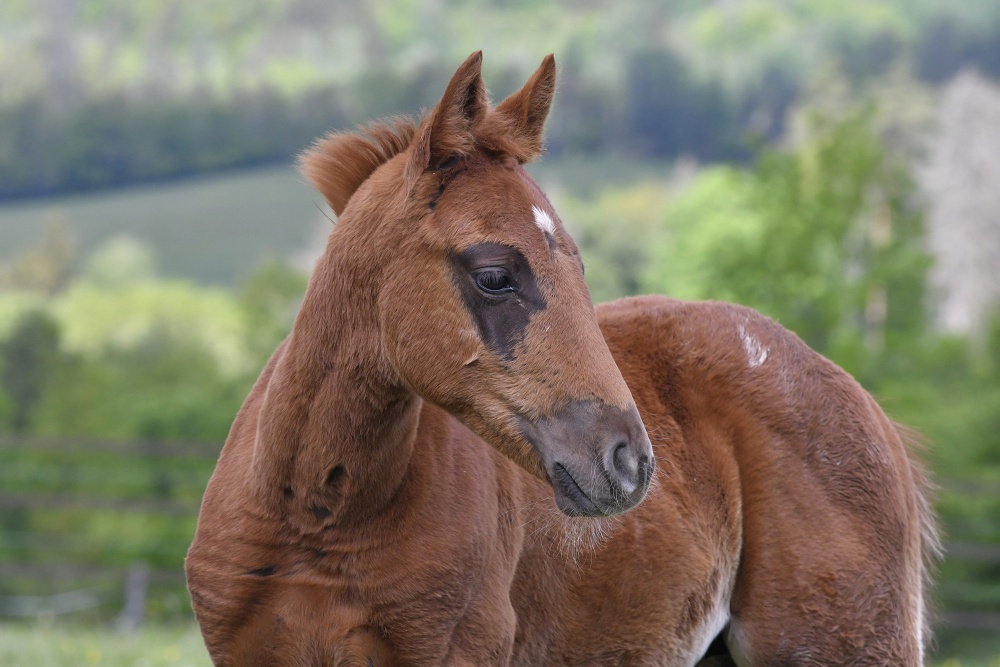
[{"x": 136, "y": 587}]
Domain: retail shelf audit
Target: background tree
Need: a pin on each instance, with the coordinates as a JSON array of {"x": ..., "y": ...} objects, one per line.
[
  {"x": 28, "y": 360},
  {"x": 960, "y": 177},
  {"x": 825, "y": 238},
  {"x": 47, "y": 266}
]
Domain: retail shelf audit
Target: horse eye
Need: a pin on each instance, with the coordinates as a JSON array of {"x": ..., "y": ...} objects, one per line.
[{"x": 494, "y": 281}]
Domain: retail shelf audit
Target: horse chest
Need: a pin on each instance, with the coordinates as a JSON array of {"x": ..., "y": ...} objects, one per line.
[
  {"x": 427, "y": 597},
  {"x": 444, "y": 610},
  {"x": 371, "y": 604}
]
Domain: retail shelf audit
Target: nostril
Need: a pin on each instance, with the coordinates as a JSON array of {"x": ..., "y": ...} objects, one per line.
[{"x": 624, "y": 463}]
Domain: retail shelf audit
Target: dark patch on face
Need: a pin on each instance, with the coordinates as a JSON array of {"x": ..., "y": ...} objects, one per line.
[
  {"x": 502, "y": 317},
  {"x": 265, "y": 571}
]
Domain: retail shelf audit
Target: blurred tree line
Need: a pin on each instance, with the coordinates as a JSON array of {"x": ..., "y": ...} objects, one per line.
[
  {"x": 114, "y": 139},
  {"x": 175, "y": 89}
]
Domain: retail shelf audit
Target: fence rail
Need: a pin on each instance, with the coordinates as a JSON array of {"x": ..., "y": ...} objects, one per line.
[
  {"x": 52, "y": 519},
  {"x": 84, "y": 503}
]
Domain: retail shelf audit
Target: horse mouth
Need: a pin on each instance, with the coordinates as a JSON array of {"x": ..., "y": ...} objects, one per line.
[{"x": 571, "y": 499}]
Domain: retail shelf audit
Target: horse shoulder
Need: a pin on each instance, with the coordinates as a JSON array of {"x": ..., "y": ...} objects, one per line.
[{"x": 689, "y": 529}]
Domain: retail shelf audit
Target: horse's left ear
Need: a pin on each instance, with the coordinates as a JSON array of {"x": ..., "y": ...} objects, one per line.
[
  {"x": 529, "y": 107},
  {"x": 448, "y": 130}
]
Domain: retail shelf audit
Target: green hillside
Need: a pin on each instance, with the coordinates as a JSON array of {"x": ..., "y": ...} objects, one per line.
[{"x": 217, "y": 229}]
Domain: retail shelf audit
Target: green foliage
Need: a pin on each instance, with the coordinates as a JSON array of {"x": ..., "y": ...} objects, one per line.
[
  {"x": 160, "y": 389},
  {"x": 29, "y": 358},
  {"x": 824, "y": 239},
  {"x": 45, "y": 267},
  {"x": 120, "y": 261},
  {"x": 124, "y": 355},
  {"x": 711, "y": 217},
  {"x": 270, "y": 299},
  {"x": 612, "y": 229},
  {"x": 98, "y": 319}
]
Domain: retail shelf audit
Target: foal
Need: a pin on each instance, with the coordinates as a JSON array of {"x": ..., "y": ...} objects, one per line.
[
  {"x": 385, "y": 496},
  {"x": 353, "y": 498}
]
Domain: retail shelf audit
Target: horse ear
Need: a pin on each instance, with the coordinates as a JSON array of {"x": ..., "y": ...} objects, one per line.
[
  {"x": 529, "y": 107},
  {"x": 448, "y": 130}
]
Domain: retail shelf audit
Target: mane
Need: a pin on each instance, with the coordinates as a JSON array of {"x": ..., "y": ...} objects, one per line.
[{"x": 340, "y": 162}]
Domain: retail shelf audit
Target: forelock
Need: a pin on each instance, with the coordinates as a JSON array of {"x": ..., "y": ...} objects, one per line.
[{"x": 340, "y": 162}]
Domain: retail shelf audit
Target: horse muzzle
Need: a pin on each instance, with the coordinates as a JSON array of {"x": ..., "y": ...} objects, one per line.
[{"x": 598, "y": 457}]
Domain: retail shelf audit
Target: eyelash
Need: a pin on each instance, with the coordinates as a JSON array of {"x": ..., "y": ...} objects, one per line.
[{"x": 494, "y": 281}]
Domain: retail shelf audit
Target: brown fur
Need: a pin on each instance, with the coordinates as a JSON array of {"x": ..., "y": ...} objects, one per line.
[{"x": 382, "y": 498}]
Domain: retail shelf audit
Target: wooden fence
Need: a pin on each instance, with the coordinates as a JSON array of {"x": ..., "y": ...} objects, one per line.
[{"x": 100, "y": 528}]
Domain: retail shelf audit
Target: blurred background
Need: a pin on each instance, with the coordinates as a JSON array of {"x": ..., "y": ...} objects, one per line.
[{"x": 832, "y": 163}]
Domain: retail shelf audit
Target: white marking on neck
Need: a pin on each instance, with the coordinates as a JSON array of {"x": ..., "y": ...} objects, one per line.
[
  {"x": 544, "y": 221},
  {"x": 718, "y": 616},
  {"x": 756, "y": 353},
  {"x": 919, "y": 620},
  {"x": 711, "y": 625}
]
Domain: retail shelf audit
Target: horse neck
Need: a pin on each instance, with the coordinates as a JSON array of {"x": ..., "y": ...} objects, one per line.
[{"x": 336, "y": 427}]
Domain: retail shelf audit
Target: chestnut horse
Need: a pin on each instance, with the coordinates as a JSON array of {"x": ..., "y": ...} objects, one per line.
[{"x": 385, "y": 496}]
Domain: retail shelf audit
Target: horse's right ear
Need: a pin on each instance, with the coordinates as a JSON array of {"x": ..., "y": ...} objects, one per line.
[
  {"x": 447, "y": 132},
  {"x": 529, "y": 107}
]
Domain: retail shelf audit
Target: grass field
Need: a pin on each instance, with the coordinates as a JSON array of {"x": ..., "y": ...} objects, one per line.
[
  {"x": 159, "y": 646},
  {"x": 216, "y": 229},
  {"x": 67, "y": 646}
]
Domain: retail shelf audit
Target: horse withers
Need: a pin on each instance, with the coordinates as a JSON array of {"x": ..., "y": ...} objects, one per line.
[{"x": 444, "y": 462}]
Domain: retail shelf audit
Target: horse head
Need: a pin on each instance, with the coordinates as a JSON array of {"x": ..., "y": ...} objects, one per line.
[{"x": 481, "y": 303}]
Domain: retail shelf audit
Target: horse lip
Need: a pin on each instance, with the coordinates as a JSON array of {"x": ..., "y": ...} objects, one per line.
[{"x": 576, "y": 502}]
